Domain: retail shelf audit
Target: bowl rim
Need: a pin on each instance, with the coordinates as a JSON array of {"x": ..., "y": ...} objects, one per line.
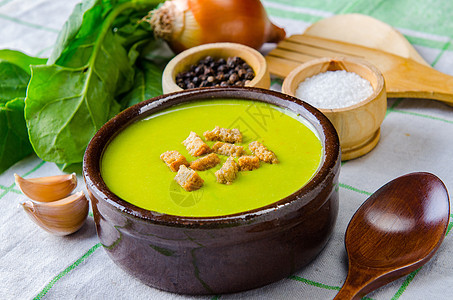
[
  {"x": 91, "y": 161},
  {"x": 358, "y": 61}
]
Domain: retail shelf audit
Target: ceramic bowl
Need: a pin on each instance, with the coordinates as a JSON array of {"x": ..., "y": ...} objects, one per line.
[
  {"x": 358, "y": 125},
  {"x": 184, "y": 60},
  {"x": 213, "y": 255}
]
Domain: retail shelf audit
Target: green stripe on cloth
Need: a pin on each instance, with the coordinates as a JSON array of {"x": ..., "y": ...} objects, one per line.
[
  {"x": 442, "y": 52},
  {"x": 422, "y": 115},
  {"x": 10, "y": 188},
  {"x": 34, "y": 169},
  {"x": 275, "y": 12},
  {"x": 66, "y": 271},
  {"x": 430, "y": 17},
  {"x": 351, "y": 188},
  {"x": 405, "y": 284},
  {"x": 425, "y": 42},
  {"x": 5, "y": 2},
  {"x": 314, "y": 283},
  {"x": 317, "y": 7},
  {"x": 320, "y": 285},
  {"x": 419, "y": 31},
  {"x": 35, "y": 26},
  {"x": 40, "y": 52}
]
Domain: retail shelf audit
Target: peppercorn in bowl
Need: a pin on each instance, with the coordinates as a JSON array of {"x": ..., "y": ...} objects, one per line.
[
  {"x": 216, "y": 65},
  {"x": 183, "y": 215}
]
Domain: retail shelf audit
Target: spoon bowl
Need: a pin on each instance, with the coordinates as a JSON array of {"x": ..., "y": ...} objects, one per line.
[{"x": 395, "y": 231}]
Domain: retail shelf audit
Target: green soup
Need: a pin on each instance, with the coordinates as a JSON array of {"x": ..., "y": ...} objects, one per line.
[{"x": 132, "y": 169}]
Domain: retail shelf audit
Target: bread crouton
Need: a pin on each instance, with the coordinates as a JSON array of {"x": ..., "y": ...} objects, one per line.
[
  {"x": 188, "y": 179},
  {"x": 224, "y": 135},
  {"x": 205, "y": 162},
  {"x": 248, "y": 162},
  {"x": 195, "y": 145},
  {"x": 174, "y": 159},
  {"x": 263, "y": 153},
  {"x": 228, "y": 149},
  {"x": 227, "y": 173}
]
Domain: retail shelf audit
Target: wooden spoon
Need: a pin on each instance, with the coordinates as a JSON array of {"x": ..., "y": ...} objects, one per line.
[{"x": 394, "y": 232}]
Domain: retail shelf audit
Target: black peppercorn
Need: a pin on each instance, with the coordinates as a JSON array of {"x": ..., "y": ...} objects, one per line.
[{"x": 232, "y": 71}]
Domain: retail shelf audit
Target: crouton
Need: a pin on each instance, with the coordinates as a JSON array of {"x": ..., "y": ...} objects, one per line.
[
  {"x": 248, "y": 162},
  {"x": 205, "y": 162},
  {"x": 263, "y": 153},
  {"x": 195, "y": 145},
  {"x": 188, "y": 179},
  {"x": 227, "y": 173},
  {"x": 228, "y": 149},
  {"x": 174, "y": 159},
  {"x": 224, "y": 135}
]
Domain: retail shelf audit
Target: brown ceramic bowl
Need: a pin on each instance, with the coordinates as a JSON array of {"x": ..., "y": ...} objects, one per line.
[{"x": 213, "y": 255}]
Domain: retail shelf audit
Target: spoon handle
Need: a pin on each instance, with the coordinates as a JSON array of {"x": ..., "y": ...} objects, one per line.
[{"x": 358, "y": 283}]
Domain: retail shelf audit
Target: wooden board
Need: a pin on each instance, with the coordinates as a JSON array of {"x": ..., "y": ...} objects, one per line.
[
  {"x": 365, "y": 31},
  {"x": 405, "y": 76}
]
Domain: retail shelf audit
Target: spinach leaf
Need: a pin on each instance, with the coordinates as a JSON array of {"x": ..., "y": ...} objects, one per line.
[
  {"x": 20, "y": 59},
  {"x": 14, "y": 144},
  {"x": 71, "y": 97},
  {"x": 13, "y": 81},
  {"x": 147, "y": 83},
  {"x": 14, "y": 77}
]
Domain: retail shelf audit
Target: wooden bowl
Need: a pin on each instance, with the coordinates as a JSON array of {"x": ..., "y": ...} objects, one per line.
[
  {"x": 218, "y": 254},
  {"x": 358, "y": 126},
  {"x": 185, "y": 59}
]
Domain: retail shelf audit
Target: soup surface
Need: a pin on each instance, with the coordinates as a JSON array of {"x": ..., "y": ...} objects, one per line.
[{"x": 132, "y": 169}]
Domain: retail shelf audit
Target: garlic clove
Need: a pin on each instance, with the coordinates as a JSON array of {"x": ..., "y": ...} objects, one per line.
[
  {"x": 46, "y": 189},
  {"x": 61, "y": 217}
]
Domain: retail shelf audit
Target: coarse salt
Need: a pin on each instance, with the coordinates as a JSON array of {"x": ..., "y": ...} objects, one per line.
[{"x": 334, "y": 89}]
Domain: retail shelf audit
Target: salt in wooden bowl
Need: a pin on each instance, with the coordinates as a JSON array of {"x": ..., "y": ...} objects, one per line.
[{"x": 358, "y": 125}]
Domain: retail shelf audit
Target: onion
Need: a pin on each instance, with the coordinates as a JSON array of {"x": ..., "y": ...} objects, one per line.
[{"x": 188, "y": 23}]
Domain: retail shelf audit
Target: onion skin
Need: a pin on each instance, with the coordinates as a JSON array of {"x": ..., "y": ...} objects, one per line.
[{"x": 189, "y": 23}]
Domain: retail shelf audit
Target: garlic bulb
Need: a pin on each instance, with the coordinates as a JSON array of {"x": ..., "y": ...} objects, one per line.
[
  {"x": 46, "y": 189},
  {"x": 188, "y": 23},
  {"x": 61, "y": 217}
]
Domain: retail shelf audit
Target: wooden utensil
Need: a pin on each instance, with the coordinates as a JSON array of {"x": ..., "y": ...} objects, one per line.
[
  {"x": 394, "y": 232},
  {"x": 403, "y": 77},
  {"x": 365, "y": 31}
]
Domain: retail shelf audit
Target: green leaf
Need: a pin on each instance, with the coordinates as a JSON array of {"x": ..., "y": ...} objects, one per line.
[
  {"x": 14, "y": 77},
  {"x": 68, "y": 101},
  {"x": 20, "y": 59},
  {"x": 13, "y": 81},
  {"x": 71, "y": 168},
  {"x": 66, "y": 106},
  {"x": 73, "y": 26},
  {"x": 147, "y": 84},
  {"x": 14, "y": 144}
]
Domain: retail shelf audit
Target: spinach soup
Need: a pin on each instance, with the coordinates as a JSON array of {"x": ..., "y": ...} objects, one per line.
[{"x": 131, "y": 166}]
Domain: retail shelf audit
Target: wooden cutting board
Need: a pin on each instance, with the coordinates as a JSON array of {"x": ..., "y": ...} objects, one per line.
[
  {"x": 365, "y": 31},
  {"x": 355, "y": 29},
  {"x": 405, "y": 72}
]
